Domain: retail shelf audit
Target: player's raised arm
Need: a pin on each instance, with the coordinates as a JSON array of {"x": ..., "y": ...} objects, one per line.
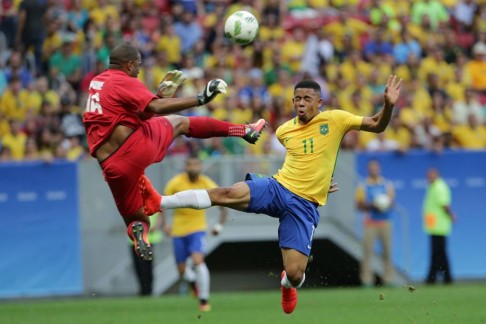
[
  {"x": 378, "y": 122},
  {"x": 163, "y": 106}
]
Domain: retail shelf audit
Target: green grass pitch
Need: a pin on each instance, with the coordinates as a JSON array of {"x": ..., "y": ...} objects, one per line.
[{"x": 460, "y": 303}]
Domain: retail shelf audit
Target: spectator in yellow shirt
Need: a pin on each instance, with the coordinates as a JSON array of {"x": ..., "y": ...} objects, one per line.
[
  {"x": 293, "y": 49},
  {"x": 271, "y": 29},
  {"x": 471, "y": 136},
  {"x": 40, "y": 94},
  {"x": 103, "y": 11},
  {"x": 435, "y": 63},
  {"x": 170, "y": 43},
  {"x": 13, "y": 103},
  {"x": 15, "y": 140},
  {"x": 396, "y": 131},
  {"x": 346, "y": 26},
  {"x": 477, "y": 69}
]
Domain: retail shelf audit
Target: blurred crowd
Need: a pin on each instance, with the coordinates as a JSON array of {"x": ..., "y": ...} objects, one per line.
[{"x": 51, "y": 49}]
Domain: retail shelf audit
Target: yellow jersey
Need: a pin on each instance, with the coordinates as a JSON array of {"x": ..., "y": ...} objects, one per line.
[
  {"x": 187, "y": 220},
  {"x": 312, "y": 152}
]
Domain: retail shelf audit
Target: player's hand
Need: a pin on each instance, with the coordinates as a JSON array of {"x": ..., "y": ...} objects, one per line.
[
  {"x": 217, "y": 229},
  {"x": 213, "y": 88},
  {"x": 169, "y": 84},
  {"x": 392, "y": 90},
  {"x": 334, "y": 186}
]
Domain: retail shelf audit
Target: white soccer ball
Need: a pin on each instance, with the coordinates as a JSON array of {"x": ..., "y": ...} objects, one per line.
[
  {"x": 382, "y": 202},
  {"x": 241, "y": 27}
]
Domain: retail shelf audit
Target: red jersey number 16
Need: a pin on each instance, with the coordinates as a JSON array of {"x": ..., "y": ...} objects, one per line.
[{"x": 93, "y": 104}]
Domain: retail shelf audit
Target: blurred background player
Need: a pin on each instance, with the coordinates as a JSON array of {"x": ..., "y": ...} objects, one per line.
[
  {"x": 375, "y": 198},
  {"x": 438, "y": 218},
  {"x": 312, "y": 140},
  {"x": 189, "y": 231},
  {"x": 144, "y": 269}
]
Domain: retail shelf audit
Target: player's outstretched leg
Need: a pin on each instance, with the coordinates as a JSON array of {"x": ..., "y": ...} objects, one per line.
[
  {"x": 289, "y": 297},
  {"x": 253, "y": 131},
  {"x": 207, "y": 127},
  {"x": 150, "y": 196},
  {"x": 137, "y": 231}
]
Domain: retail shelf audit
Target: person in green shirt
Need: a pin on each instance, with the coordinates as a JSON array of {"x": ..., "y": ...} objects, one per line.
[{"x": 438, "y": 218}]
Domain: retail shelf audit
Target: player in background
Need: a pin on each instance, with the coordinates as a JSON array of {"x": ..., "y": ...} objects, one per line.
[
  {"x": 375, "y": 199},
  {"x": 312, "y": 140},
  {"x": 189, "y": 231},
  {"x": 125, "y": 134}
]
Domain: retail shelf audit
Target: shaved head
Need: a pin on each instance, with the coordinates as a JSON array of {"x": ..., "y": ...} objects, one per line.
[{"x": 123, "y": 53}]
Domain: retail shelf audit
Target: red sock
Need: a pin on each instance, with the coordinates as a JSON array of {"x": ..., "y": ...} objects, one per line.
[{"x": 206, "y": 127}]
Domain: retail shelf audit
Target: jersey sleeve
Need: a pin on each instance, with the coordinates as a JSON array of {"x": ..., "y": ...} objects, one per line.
[
  {"x": 346, "y": 120},
  {"x": 134, "y": 93}
]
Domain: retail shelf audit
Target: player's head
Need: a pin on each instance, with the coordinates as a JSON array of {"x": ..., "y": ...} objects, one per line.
[
  {"x": 127, "y": 58},
  {"x": 307, "y": 100},
  {"x": 374, "y": 168},
  {"x": 193, "y": 167},
  {"x": 432, "y": 174}
]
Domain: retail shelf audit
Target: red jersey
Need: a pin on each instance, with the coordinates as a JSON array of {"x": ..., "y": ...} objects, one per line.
[{"x": 115, "y": 98}]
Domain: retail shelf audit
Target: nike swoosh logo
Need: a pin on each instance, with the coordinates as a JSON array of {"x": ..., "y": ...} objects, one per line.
[{"x": 209, "y": 93}]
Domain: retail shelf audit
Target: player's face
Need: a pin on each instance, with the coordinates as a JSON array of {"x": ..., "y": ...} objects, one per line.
[
  {"x": 373, "y": 169},
  {"x": 306, "y": 104},
  {"x": 134, "y": 67},
  {"x": 432, "y": 174},
  {"x": 193, "y": 167}
]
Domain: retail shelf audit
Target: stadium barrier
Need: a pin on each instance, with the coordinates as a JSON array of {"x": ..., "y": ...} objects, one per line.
[
  {"x": 41, "y": 247},
  {"x": 62, "y": 234}
]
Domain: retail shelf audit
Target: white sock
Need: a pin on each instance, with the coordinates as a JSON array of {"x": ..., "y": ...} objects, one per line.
[
  {"x": 202, "y": 281},
  {"x": 287, "y": 284},
  {"x": 196, "y": 199},
  {"x": 189, "y": 275}
]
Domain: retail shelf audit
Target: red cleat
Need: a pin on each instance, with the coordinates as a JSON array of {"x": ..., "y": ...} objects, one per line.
[
  {"x": 138, "y": 233},
  {"x": 253, "y": 131},
  {"x": 289, "y": 297},
  {"x": 150, "y": 196}
]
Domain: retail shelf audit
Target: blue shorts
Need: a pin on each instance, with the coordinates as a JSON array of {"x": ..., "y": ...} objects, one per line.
[
  {"x": 298, "y": 217},
  {"x": 184, "y": 246}
]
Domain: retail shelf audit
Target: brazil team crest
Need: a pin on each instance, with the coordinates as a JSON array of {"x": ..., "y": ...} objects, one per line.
[{"x": 324, "y": 129}]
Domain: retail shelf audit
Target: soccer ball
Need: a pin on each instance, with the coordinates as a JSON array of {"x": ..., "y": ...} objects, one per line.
[
  {"x": 382, "y": 202},
  {"x": 241, "y": 27}
]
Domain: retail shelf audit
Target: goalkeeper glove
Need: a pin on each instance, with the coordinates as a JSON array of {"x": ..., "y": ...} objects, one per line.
[
  {"x": 169, "y": 84},
  {"x": 213, "y": 88}
]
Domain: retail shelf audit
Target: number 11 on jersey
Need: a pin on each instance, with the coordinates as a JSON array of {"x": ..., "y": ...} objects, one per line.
[{"x": 311, "y": 145}]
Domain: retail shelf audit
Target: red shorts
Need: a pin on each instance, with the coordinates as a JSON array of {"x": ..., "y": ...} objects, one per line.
[{"x": 146, "y": 145}]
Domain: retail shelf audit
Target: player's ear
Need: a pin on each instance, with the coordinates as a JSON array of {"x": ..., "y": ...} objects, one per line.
[{"x": 129, "y": 65}]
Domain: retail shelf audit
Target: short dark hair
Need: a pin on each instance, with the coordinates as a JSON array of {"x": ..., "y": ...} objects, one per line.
[
  {"x": 308, "y": 84},
  {"x": 123, "y": 53}
]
